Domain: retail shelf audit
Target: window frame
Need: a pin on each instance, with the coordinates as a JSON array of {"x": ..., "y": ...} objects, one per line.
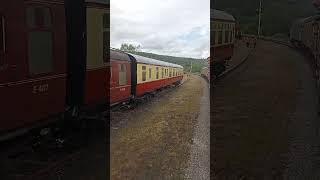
[
  {"x": 157, "y": 72},
  {"x": 213, "y": 37},
  {"x": 226, "y": 36},
  {"x": 150, "y": 73},
  {"x": 122, "y": 69},
  {"x": 162, "y": 72},
  {"x": 2, "y": 34},
  {"x": 40, "y": 28},
  {"x": 220, "y": 37},
  {"x": 143, "y": 73}
]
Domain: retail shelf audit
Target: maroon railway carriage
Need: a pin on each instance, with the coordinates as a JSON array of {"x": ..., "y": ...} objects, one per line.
[
  {"x": 33, "y": 61},
  {"x": 96, "y": 82},
  {"x": 120, "y": 80},
  {"x": 222, "y": 40}
]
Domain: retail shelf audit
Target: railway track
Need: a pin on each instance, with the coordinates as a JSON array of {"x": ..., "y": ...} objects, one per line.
[
  {"x": 47, "y": 157},
  {"x": 132, "y": 104}
]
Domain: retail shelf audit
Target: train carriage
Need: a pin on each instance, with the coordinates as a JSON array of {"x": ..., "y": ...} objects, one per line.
[
  {"x": 32, "y": 61},
  {"x": 305, "y": 34},
  {"x": 153, "y": 74},
  {"x": 120, "y": 79},
  {"x": 134, "y": 76},
  {"x": 296, "y": 32},
  {"x": 96, "y": 82},
  {"x": 222, "y": 39}
]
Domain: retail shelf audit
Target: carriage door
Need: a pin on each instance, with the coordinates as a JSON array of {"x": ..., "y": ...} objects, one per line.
[
  {"x": 39, "y": 40},
  {"x": 45, "y": 60},
  {"x": 122, "y": 80}
]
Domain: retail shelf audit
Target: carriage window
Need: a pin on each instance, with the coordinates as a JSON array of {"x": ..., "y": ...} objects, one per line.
[
  {"x": 46, "y": 17},
  {"x": 110, "y": 72},
  {"x": 157, "y": 72},
  {"x": 144, "y": 73},
  {"x": 40, "y": 43},
  {"x": 226, "y": 37},
  {"x": 38, "y": 17},
  {"x": 31, "y": 22},
  {"x": 106, "y": 36},
  {"x": 220, "y": 37},
  {"x": 40, "y": 52},
  {"x": 213, "y": 38},
  {"x": 2, "y": 35},
  {"x": 162, "y": 72},
  {"x": 150, "y": 73},
  {"x": 122, "y": 75}
]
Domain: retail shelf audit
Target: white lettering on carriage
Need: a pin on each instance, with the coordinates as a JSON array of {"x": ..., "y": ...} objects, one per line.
[{"x": 40, "y": 88}]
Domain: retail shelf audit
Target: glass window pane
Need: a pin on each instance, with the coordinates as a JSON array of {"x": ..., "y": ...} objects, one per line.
[
  {"x": 46, "y": 17},
  {"x": 40, "y": 52},
  {"x": 2, "y": 34},
  {"x": 122, "y": 75},
  {"x": 226, "y": 37},
  {"x": 31, "y": 17},
  {"x": 220, "y": 37},
  {"x": 144, "y": 73},
  {"x": 106, "y": 21}
]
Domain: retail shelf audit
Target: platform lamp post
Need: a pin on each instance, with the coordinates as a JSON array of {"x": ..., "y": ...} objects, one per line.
[{"x": 259, "y": 24}]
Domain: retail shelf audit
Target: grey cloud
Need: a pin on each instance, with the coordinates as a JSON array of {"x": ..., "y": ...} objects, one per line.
[{"x": 158, "y": 29}]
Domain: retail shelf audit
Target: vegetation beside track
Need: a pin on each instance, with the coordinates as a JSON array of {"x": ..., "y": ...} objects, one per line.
[{"x": 152, "y": 141}]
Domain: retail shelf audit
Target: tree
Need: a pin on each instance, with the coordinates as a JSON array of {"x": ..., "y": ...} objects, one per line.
[
  {"x": 129, "y": 47},
  {"x": 316, "y": 4}
]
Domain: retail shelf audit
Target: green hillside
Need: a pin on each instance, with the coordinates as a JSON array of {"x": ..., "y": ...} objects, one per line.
[
  {"x": 278, "y": 15},
  {"x": 197, "y": 64}
]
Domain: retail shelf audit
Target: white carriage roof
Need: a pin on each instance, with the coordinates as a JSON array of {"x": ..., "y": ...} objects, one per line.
[
  {"x": 311, "y": 18},
  {"x": 221, "y": 15},
  {"x": 99, "y": 1},
  {"x": 119, "y": 55},
  {"x": 145, "y": 60}
]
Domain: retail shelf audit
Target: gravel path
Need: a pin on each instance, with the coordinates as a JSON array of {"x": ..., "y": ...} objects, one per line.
[
  {"x": 303, "y": 157},
  {"x": 199, "y": 162},
  {"x": 250, "y": 109}
]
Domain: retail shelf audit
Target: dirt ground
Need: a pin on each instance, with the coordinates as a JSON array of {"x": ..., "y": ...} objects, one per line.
[
  {"x": 153, "y": 140},
  {"x": 199, "y": 159},
  {"x": 251, "y": 111}
]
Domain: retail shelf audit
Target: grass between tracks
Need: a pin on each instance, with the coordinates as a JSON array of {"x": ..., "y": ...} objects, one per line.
[{"x": 154, "y": 143}]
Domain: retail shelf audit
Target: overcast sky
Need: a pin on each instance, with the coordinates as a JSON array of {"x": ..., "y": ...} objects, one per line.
[{"x": 168, "y": 27}]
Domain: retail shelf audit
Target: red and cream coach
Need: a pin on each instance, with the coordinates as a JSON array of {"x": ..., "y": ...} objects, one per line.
[
  {"x": 133, "y": 76},
  {"x": 222, "y": 40}
]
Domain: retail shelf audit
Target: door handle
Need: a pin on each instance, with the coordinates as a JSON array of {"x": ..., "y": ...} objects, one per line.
[{"x": 13, "y": 67}]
